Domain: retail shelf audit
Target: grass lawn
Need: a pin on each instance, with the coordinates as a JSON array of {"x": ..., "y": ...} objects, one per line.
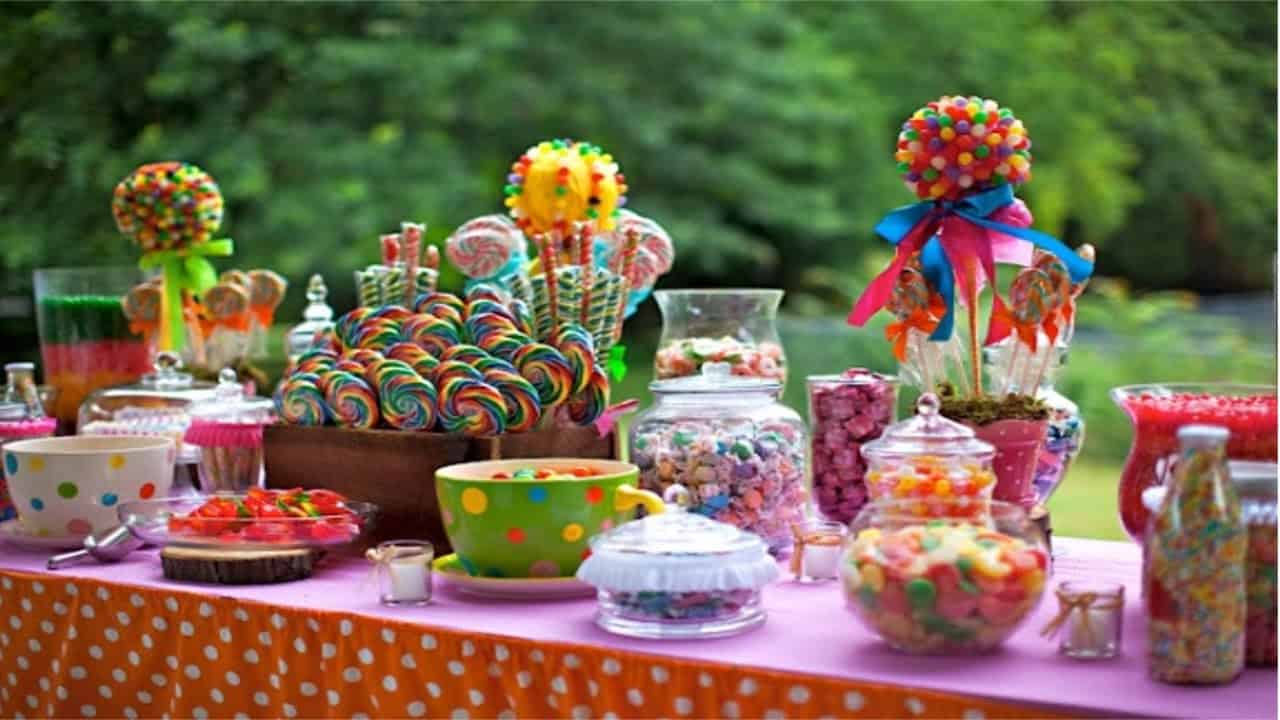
[{"x": 1085, "y": 503}]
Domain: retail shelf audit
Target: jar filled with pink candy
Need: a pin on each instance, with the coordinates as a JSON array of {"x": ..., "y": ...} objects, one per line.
[
  {"x": 732, "y": 444},
  {"x": 845, "y": 412},
  {"x": 737, "y": 327}
]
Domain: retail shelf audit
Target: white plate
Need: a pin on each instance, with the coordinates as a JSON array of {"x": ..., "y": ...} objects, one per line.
[
  {"x": 559, "y": 588},
  {"x": 16, "y": 535}
]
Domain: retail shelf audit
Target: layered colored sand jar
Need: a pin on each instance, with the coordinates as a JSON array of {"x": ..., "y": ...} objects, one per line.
[
  {"x": 947, "y": 585},
  {"x": 737, "y": 327},
  {"x": 1157, "y": 411},
  {"x": 85, "y": 340}
]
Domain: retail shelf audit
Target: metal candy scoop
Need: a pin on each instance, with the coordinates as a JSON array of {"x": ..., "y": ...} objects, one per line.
[{"x": 106, "y": 547}]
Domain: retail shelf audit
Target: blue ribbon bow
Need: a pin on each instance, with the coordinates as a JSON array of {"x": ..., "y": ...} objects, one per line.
[{"x": 976, "y": 208}]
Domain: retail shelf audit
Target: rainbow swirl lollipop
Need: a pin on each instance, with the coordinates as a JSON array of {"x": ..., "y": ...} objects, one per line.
[
  {"x": 352, "y": 403},
  {"x": 549, "y": 372},
  {"x": 376, "y": 333},
  {"x": 430, "y": 333},
  {"x": 486, "y": 291},
  {"x": 471, "y": 406},
  {"x": 392, "y": 312},
  {"x": 479, "y": 327},
  {"x": 463, "y": 352},
  {"x": 589, "y": 404},
  {"x": 315, "y": 361},
  {"x": 455, "y": 368},
  {"x": 299, "y": 401},
  {"x": 408, "y": 402},
  {"x": 504, "y": 345},
  {"x": 345, "y": 326},
  {"x": 559, "y": 182},
  {"x": 521, "y": 398},
  {"x": 577, "y": 346},
  {"x": 423, "y": 362},
  {"x": 426, "y": 301}
]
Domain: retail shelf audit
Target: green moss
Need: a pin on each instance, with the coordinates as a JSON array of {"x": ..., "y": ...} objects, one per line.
[{"x": 986, "y": 409}]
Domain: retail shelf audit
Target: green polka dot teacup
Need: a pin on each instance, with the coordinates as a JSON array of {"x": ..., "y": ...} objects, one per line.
[
  {"x": 534, "y": 528},
  {"x": 69, "y": 487}
]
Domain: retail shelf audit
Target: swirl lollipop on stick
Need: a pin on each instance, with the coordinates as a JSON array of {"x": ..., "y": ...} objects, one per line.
[
  {"x": 299, "y": 400},
  {"x": 481, "y": 247},
  {"x": 351, "y": 402},
  {"x": 471, "y": 406}
]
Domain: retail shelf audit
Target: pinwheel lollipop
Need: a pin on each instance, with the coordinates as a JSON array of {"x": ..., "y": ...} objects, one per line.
[
  {"x": 487, "y": 247},
  {"x": 172, "y": 210}
]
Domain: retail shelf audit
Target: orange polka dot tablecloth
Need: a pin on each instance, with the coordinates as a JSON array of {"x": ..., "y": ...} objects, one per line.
[{"x": 119, "y": 641}]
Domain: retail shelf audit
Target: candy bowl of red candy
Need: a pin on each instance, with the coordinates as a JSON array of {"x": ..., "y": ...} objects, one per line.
[
  {"x": 258, "y": 519},
  {"x": 948, "y": 585},
  {"x": 1158, "y": 410}
]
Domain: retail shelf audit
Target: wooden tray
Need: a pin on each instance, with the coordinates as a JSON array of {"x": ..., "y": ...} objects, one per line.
[{"x": 396, "y": 470}]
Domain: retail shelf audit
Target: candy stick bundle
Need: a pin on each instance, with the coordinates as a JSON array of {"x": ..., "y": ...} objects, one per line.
[{"x": 405, "y": 271}]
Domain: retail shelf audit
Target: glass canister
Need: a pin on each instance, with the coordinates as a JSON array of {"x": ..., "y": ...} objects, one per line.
[
  {"x": 845, "y": 412},
  {"x": 950, "y": 583},
  {"x": 732, "y": 443},
  {"x": 738, "y": 327},
  {"x": 1256, "y": 484},
  {"x": 317, "y": 317},
  {"x": 228, "y": 431},
  {"x": 678, "y": 574},
  {"x": 86, "y": 342},
  {"x": 934, "y": 464}
]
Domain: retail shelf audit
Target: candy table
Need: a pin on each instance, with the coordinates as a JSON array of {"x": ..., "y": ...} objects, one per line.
[{"x": 112, "y": 641}]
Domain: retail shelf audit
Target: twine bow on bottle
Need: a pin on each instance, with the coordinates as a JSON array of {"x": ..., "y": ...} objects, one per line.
[{"x": 1069, "y": 602}]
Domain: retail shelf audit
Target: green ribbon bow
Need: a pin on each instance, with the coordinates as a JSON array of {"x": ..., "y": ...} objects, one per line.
[
  {"x": 185, "y": 269},
  {"x": 617, "y": 362}
]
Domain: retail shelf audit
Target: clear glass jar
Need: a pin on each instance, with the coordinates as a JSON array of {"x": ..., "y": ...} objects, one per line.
[
  {"x": 317, "y": 317},
  {"x": 404, "y": 572},
  {"x": 678, "y": 574},
  {"x": 1256, "y": 483},
  {"x": 738, "y": 327},
  {"x": 86, "y": 342},
  {"x": 933, "y": 463},
  {"x": 946, "y": 584},
  {"x": 228, "y": 431},
  {"x": 1065, "y": 437},
  {"x": 845, "y": 412},
  {"x": 732, "y": 443}
]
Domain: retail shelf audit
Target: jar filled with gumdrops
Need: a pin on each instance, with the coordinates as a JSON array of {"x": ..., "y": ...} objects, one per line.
[{"x": 732, "y": 443}]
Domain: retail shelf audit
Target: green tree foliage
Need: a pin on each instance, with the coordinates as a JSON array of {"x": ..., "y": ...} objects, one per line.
[{"x": 760, "y": 134}]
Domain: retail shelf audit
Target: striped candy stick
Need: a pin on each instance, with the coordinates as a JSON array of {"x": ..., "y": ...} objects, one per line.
[
  {"x": 433, "y": 269},
  {"x": 411, "y": 253},
  {"x": 627, "y": 263},
  {"x": 586, "y": 261},
  {"x": 548, "y": 255}
]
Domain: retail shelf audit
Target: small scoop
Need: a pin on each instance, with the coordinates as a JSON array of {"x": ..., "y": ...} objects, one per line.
[{"x": 107, "y": 547}]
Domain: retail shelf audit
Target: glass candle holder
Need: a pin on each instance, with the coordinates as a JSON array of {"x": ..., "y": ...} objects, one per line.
[
  {"x": 404, "y": 572},
  {"x": 815, "y": 556},
  {"x": 1089, "y": 619}
]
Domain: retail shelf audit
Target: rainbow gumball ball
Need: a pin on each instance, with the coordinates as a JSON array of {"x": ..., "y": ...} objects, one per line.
[
  {"x": 168, "y": 206},
  {"x": 958, "y": 145},
  {"x": 560, "y": 182}
]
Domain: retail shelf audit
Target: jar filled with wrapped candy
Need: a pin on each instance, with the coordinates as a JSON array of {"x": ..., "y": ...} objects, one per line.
[{"x": 729, "y": 440}]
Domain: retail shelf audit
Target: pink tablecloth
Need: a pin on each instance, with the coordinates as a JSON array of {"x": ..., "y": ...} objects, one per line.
[{"x": 808, "y": 633}]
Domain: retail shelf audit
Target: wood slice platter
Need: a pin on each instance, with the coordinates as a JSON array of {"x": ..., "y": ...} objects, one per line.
[{"x": 237, "y": 567}]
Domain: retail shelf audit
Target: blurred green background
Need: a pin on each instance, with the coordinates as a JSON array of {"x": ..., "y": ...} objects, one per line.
[{"x": 759, "y": 134}]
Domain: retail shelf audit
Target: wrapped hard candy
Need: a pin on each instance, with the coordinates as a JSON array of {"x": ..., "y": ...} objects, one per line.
[{"x": 846, "y": 411}]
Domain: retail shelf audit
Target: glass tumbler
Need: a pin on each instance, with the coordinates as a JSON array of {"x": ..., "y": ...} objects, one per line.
[
  {"x": 86, "y": 342},
  {"x": 404, "y": 572},
  {"x": 738, "y": 327}
]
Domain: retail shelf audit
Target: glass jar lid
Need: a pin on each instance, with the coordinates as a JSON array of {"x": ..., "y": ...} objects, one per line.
[
  {"x": 229, "y": 404},
  {"x": 716, "y": 378},
  {"x": 928, "y": 433},
  {"x": 677, "y": 551}
]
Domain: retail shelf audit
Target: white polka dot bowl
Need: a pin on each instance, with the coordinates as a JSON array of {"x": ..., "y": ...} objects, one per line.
[
  {"x": 70, "y": 486},
  {"x": 504, "y": 520}
]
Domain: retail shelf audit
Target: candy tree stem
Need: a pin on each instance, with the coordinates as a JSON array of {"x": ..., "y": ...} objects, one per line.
[{"x": 975, "y": 350}]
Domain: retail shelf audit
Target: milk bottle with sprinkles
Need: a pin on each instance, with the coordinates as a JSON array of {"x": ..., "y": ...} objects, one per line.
[{"x": 1195, "y": 570}]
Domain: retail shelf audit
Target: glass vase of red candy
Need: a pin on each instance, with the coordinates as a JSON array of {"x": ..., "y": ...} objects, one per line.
[
  {"x": 738, "y": 327},
  {"x": 951, "y": 583},
  {"x": 86, "y": 341},
  {"x": 1158, "y": 410},
  {"x": 846, "y": 411}
]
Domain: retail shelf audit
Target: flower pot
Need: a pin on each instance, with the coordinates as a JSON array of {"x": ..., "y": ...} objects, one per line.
[{"x": 1017, "y": 444}]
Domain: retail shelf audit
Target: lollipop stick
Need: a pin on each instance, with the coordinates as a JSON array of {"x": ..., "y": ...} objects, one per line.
[
  {"x": 1010, "y": 366},
  {"x": 549, "y": 274},
  {"x": 586, "y": 261},
  {"x": 957, "y": 354},
  {"x": 974, "y": 348},
  {"x": 628, "y": 261}
]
